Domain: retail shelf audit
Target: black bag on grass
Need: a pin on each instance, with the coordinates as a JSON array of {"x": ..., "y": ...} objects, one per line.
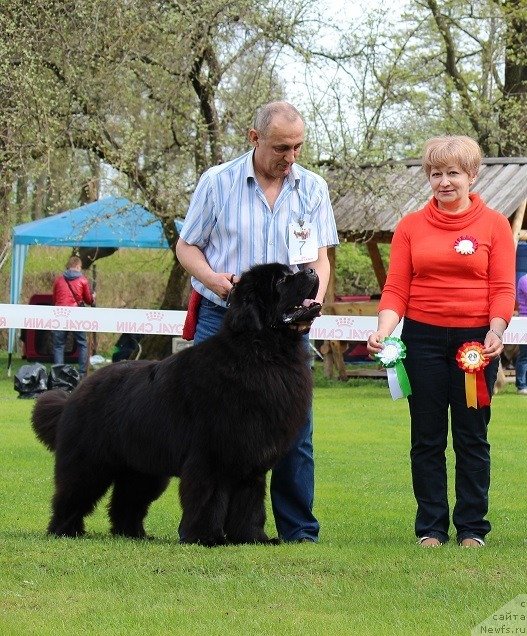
[
  {"x": 31, "y": 380},
  {"x": 63, "y": 376}
]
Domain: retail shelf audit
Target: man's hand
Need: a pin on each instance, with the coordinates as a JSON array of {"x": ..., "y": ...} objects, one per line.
[{"x": 221, "y": 283}]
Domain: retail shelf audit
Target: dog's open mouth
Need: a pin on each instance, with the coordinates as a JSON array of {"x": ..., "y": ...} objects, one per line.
[
  {"x": 305, "y": 313},
  {"x": 301, "y": 289}
]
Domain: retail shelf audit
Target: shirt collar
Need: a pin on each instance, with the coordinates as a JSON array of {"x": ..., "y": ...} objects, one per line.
[{"x": 293, "y": 177}]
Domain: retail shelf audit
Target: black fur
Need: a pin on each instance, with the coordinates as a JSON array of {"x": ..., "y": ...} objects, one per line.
[{"x": 218, "y": 415}]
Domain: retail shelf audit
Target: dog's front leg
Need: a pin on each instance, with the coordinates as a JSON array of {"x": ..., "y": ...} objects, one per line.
[
  {"x": 204, "y": 502},
  {"x": 246, "y": 513}
]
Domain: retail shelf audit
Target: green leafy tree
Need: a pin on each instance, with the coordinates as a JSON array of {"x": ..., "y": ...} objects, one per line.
[
  {"x": 157, "y": 90},
  {"x": 442, "y": 67},
  {"x": 449, "y": 67}
]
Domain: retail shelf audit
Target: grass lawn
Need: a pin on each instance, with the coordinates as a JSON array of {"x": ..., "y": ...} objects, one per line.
[{"x": 366, "y": 576}]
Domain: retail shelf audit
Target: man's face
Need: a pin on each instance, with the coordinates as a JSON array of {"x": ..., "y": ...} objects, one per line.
[{"x": 277, "y": 150}]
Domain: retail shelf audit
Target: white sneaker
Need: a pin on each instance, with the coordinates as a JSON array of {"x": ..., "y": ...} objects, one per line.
[{"x": 522, "y": 391}]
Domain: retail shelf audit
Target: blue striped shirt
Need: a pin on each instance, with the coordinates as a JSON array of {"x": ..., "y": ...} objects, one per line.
[{"x": 231, "y": 222}]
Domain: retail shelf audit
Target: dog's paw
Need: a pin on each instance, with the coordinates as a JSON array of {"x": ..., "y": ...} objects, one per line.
[
  {"x": 206, "y": 542},
  {"x": 274, "y": 541}
]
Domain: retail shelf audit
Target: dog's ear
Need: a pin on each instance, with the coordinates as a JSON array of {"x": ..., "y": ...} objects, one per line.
[
  {"x": 245, "y": 315},
  {"x": 245, "y": 311},
  {"x": 254, "y": 299}
]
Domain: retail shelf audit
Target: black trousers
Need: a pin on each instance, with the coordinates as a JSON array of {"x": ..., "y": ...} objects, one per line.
[{"x": 438, "y": 384}]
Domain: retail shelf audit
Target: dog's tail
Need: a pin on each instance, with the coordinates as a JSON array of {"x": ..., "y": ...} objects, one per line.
[{"x": 46, "y": 414}]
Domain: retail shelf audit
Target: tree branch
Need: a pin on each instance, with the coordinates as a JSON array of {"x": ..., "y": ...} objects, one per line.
[{"x": 456, "y": 76}]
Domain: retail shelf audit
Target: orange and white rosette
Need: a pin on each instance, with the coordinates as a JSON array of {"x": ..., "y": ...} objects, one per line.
[{"x": 471, "y": 360}]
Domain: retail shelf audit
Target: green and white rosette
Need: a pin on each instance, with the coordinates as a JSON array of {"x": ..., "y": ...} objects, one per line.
[{"x": 391, "y": 357}]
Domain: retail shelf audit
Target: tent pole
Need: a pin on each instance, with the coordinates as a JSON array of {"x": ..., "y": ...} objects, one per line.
[{"x": 94, "y": 333}]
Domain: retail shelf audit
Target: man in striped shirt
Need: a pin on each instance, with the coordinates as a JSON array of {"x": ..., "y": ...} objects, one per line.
[{"x": 246, "y": 212}]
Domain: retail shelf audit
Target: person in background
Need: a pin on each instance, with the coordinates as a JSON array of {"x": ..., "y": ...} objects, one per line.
[
  {"x": 451, "y": 277},
  {"x": 72, "y": 289},
  {"x": 521, "y": 360},
  {"x": 260, "y": 208}
]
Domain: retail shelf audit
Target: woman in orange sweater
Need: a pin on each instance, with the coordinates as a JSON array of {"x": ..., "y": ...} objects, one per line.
[{"x": 451, "y": 277}]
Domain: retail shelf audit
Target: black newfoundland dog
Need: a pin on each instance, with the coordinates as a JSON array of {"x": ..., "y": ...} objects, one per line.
[{"x": 218, "y": 415}]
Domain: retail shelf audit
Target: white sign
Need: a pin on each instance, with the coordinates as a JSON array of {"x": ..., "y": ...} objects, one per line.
[
  {"x": 48, "y": 317},
  {"x": 170, "y": 323}
]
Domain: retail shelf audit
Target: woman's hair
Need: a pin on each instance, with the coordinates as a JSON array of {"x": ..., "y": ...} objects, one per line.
[{"x": 443, "y": 151}]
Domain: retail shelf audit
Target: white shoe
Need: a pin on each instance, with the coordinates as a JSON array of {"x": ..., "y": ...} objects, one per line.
[{"x": 522, "y": 391}]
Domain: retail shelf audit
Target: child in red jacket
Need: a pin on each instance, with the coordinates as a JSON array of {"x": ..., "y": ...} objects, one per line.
[{"x": 72, "y": 289}]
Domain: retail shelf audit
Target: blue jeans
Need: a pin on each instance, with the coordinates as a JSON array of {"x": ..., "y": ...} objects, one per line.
[
  {"x": 437, "y": 385},
  {"x": 293, "y": 478},
  {"x": 521, "y": 368},
  {"x": 59, "y": 344}
]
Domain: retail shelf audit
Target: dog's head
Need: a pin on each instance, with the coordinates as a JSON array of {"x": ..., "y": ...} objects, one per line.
[{"x": 272, "y": 296}]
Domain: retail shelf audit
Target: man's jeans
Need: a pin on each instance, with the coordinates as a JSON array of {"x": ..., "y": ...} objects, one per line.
[
  {"x": 521, "y": 368},
  {"x": 437, "y": 384},
  {"x": 59, "y": 344},
  {"x": 293, "y": 478}
]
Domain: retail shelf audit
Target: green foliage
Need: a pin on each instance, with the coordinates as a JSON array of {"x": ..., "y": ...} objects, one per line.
[
  {"x": 144, "y": 96},
  {"x": 354, "y": 272},
  {"x": 158, "y": 91},
  {"x": 365, "y": 576},
  {"x": 402, "y": 75}
]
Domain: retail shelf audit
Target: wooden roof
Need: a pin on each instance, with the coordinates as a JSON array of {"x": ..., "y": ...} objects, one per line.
[{"x": 380, "y": 196}]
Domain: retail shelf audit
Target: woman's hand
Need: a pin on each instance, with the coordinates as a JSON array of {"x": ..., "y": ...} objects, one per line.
[
  {"x": 388, "y": 320},
  {"x": 374, "y": 343},
  {"x": 492, "y": 345}
]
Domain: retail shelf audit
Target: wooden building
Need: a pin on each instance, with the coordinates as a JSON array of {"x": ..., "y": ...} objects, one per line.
[{"x": 380, "y": 196}]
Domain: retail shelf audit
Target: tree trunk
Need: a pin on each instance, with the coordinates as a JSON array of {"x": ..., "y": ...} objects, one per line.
[
  {"x": 5, "y": 191},
  {"x": 39, "y": 197},
  {"x": 91, "y": 188},
  {"x": 21, "y": 199},
  {"x": 157, "y": 347},
  {"x": 89, "y": 255},
  {"x": 89, "y": 194},
  {"x": 514, "y": 106}
]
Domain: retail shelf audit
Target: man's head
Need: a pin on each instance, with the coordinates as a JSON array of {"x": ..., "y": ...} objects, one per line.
[
  {"x": 74, "y": 262},
  {"x": 277, "y": 136}
]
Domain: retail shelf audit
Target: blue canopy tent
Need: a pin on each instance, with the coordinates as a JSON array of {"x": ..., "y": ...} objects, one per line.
[{"x": 110, "y": 222}]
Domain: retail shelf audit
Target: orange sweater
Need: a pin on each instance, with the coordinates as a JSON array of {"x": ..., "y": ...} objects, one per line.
[{"x": 432, "y": 282}]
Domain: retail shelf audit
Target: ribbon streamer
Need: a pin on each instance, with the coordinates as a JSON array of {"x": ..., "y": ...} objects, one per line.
[
  {"x": 391, "y": 357},
  {"x": 471, "y": 360}
]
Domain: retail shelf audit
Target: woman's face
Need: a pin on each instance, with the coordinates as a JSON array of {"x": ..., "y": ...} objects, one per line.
[{"x": 450, "y": 186}]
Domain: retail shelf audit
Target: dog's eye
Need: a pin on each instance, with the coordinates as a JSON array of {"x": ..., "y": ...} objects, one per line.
[{"x": 282, "y": 281}]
